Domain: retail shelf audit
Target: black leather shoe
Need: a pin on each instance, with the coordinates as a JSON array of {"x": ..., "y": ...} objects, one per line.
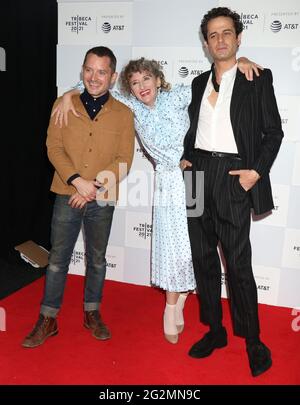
[
  {"x": 259, "y": 358},
  {"x": 208, "y": 344}
]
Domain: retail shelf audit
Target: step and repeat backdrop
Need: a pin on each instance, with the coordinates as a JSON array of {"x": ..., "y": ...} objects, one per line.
[{"x": 168, "y": 31}]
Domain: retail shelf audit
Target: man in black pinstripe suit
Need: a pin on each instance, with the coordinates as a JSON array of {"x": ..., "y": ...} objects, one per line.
[{"x": 234, "y": 136}]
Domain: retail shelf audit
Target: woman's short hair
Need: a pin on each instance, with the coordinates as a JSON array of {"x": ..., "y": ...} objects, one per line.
[{"x": 142, "y": 65}]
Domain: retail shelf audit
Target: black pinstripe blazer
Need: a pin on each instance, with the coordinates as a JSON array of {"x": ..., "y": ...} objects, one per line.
[{"x": 256, "y": 125}]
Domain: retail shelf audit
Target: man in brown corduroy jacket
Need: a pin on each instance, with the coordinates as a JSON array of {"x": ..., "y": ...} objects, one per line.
[{"x": 90, "y": 156}]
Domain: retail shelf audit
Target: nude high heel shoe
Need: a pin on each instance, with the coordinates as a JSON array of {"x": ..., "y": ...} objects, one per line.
[
  {"x": 170, "y": 329},
  {"x": 179, "y": 319}
]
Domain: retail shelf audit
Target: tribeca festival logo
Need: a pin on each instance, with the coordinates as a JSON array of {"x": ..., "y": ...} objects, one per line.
[
  {"x": 162, "y": 62},
  {"x": 143, "y": 230},
  {"x": 77, "y": 257},
  {"x": 78, "y": 23},
  {"x": 2, "y": 320},
  {"x": 249, "y": 19},
  {"x": 2, "y": 60}
]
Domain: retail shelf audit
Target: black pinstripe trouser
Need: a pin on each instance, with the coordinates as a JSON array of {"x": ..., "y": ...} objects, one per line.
[{"x": 225, "y": 220}]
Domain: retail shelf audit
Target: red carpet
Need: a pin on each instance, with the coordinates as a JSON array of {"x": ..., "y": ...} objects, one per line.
[{"x": 137, "y": 352}]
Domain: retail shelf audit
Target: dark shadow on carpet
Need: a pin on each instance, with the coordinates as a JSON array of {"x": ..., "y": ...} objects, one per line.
[{"x": 16, "y": 274}]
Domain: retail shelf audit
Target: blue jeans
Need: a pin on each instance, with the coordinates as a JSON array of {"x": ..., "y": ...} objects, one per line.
[{"x": 65, "y": 227}]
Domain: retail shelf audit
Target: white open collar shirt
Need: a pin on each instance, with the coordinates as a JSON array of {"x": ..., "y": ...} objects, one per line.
[{"x": 214, "y": 132}]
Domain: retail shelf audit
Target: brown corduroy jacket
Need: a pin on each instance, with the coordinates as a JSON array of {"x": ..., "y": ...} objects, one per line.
[{"x": 101, "y": 148}]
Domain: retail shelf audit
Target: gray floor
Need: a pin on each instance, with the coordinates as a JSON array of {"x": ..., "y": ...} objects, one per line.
[{"x": 15, "y": 274}]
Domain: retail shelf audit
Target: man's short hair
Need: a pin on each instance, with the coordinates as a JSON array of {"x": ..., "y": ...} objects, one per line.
[
  {"x": 103, "y": 51},
  {"x": 221, "y": 12}
]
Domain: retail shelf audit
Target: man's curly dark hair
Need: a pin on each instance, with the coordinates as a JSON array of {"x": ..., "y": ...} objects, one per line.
[{"x": 221, "y": 12}]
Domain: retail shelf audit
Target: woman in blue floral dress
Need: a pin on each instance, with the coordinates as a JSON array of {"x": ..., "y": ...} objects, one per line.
[{"x": 161, "y": 121}]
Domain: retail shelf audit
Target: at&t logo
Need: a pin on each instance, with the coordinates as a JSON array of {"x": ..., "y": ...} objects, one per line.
[
  {"x": 183, "y": 71},
  {"x": 106, "y": 27},
  {"x": 276, "y": 26}
]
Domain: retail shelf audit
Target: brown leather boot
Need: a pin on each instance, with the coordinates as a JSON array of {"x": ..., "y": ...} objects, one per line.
[
  {"x": 45, "y": 327},
  {"x": 93, "y": 321}
]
